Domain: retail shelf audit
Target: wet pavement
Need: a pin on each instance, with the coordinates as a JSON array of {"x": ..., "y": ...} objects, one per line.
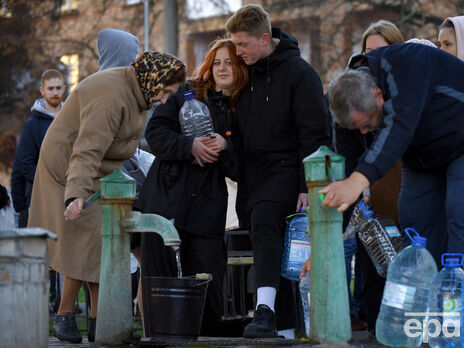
[{"x": 359, "y": 339}]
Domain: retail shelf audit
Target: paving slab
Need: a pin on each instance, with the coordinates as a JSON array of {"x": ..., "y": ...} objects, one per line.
[{"x": 360, "y": 339}]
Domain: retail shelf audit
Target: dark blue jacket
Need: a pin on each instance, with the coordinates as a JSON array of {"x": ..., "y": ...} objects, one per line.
[
  {"x": 423, "y": 124},
  {"x": 27, "y": 156}
]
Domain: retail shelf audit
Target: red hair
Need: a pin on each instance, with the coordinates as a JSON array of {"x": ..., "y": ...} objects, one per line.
[{"x": 203, "y": 78}]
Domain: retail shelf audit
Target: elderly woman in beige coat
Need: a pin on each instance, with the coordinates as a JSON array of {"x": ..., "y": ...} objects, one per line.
[{"x": 97, "y": 128}]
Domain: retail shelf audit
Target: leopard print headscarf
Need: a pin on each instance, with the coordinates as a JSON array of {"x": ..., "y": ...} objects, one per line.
[{"x": 153, "y": 69}]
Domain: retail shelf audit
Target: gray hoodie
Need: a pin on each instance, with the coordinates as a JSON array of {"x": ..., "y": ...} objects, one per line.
[
  {"x": 116, "y": 48},
  {"x": 39, "y": 106}
]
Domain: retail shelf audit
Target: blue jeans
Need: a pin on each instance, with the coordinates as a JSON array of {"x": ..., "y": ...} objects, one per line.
[
  {"x": 356, "y": 301},
  {"x": 433, "y": 204}
]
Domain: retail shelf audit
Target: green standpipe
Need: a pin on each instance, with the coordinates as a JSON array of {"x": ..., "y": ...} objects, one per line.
[
  {"x": 329, "y": 308},
  {"x": 114, "y": 319}
]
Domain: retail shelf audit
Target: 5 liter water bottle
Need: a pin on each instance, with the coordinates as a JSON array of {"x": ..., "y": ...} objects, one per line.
[
  {"x": 445, "y": 304},
  {"x": 381, "y": 238},
  {"x": 305, "y": 300},
  {"x": 194, "y": 117},
  {"x": 297, "y": 247},
  {"x": 405, "y": 297}
]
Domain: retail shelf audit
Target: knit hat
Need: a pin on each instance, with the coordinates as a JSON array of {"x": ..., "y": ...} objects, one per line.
[
  {"x": 153, "y": 70},
  {"x": 116, "y": 48},
  {"x": 422, "y": 41}
]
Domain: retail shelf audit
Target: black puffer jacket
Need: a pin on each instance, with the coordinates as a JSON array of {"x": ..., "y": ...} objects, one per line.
[
  {"x": 196, "y": 197},
  {"x": 282, "y": 118}
]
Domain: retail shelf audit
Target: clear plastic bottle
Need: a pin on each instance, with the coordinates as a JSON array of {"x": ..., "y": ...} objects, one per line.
[
  {"x": 379, "y": 235},
  {"x": 306, "y": 300},
  {"x": 194, "y": 117},
  {"x": 406, "y": 294},
  {"x": 356, "y": 220},
  {"x": 297, "y": 246},
  {"x": 381, "y": 239},
  {"x": 445, "y": 304}
]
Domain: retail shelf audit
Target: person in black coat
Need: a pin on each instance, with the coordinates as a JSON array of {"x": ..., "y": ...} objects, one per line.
[
  {"x": 33, "y": 132},
  {"x": 4, "y": 198},
  {"x": 187, "y": 179},
  {"x": 282, "y": 119}
]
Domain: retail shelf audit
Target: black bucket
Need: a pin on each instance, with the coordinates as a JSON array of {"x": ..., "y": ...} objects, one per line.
[{"x": 173, "y": 307}]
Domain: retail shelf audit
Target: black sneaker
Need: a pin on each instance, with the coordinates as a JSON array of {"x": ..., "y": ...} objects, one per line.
[
  {"x": 65, "y": 328},
  {"x": 91, "y": 329},
  {"x": 263, "y": 324}
]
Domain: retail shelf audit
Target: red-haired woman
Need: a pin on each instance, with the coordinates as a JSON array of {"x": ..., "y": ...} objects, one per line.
[{"x": 187, "y": 179}]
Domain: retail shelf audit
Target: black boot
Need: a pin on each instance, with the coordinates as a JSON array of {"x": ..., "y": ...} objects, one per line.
[
  {"x": 91, "y": 329},
  {"x": 263, "y": 324},
  {"x": 65, "y": 328}
]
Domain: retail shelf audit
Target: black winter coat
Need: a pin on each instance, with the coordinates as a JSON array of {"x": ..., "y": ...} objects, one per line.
[
  {"x": 196, "y": 197},
  {"x": 282, "y": 118},
  {"x": 26, "y": 158}
]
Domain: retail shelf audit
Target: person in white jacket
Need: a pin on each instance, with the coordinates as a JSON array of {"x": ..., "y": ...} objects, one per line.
[{"x": 451, "y": 36}]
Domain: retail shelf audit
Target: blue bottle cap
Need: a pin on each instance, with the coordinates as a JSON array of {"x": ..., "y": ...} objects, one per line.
[
  {"x": 416, "y": 239},
  {"x": 452, "y": 260},
  {"x": 188, "y": 95},
  {"x": 366, "y": 209}
]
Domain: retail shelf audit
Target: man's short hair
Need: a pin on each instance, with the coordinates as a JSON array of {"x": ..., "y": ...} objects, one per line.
[
  {"x": 251, "y": 19},
  {"x": 353, "y": 89},
  {"x": 51, "y": 73}
]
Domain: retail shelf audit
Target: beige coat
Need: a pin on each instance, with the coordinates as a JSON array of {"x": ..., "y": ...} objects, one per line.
[{"x": 97, "y": 128}]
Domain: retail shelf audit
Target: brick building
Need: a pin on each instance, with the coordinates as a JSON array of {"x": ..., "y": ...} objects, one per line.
[{"x": 329, "y": 31}]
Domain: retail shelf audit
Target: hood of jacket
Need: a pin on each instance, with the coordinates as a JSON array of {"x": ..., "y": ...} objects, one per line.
[
  {"x": 458, "y": 23},
  {"x": 286, "y": 47},
  {"x": 116, "y": 48},
  {"x": 42, "y": 112}
]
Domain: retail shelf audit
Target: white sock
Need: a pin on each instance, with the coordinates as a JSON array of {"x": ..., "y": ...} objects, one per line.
[
  {"x": 289, "y": 334},
  {"x": 266, "y": 295}
]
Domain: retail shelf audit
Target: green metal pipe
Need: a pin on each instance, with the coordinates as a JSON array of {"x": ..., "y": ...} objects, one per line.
[
  {"x": 114, "y": 319},
  {"x": 329, "y": 308}
]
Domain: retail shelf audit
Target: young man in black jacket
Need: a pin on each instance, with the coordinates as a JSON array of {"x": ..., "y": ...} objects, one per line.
[
  {"x": 33, "y": 132},
  {"x": 414, "y": 95},
  {"x": 282, "y": 118}
]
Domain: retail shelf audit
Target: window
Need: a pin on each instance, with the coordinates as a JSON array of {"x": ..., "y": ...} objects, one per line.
[
  {"x": 4, "y": 10},
  {"x": 68, "y": 5},
  {"x": 72, "y": 70},
  {"x": 197, "y": 9},
  {"x": 133, "y": 2}
]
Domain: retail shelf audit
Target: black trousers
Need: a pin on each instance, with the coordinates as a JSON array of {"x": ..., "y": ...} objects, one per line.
[
  {"x": 207, "y": 255},
  {"x": 267, "y": 228},
  {"x": 199, "y": 254},
  {"x": 373, "y": 284},
  {"x": 23, "y": 217}
]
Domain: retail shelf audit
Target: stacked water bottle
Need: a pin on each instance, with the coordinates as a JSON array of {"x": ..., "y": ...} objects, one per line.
[
  {"x": 419, "y": 305},
  {"x": 297, "y": 249}
]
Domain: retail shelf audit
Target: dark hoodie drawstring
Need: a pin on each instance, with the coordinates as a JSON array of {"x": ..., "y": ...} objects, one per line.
[
  {"x": 268, "y": 80},
  {"x": 251, "y": 77}
]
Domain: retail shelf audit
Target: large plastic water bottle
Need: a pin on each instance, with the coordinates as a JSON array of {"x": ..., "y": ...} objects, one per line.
[
  {"x": 194, "y": 117},
  {"x": 445, "y": 304},
  {"x": 406, "y": 294},
  {"x": 297, "y": 247},
  {"x": 379, "y": 234},
  {"x": 306, "y": 300}
]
